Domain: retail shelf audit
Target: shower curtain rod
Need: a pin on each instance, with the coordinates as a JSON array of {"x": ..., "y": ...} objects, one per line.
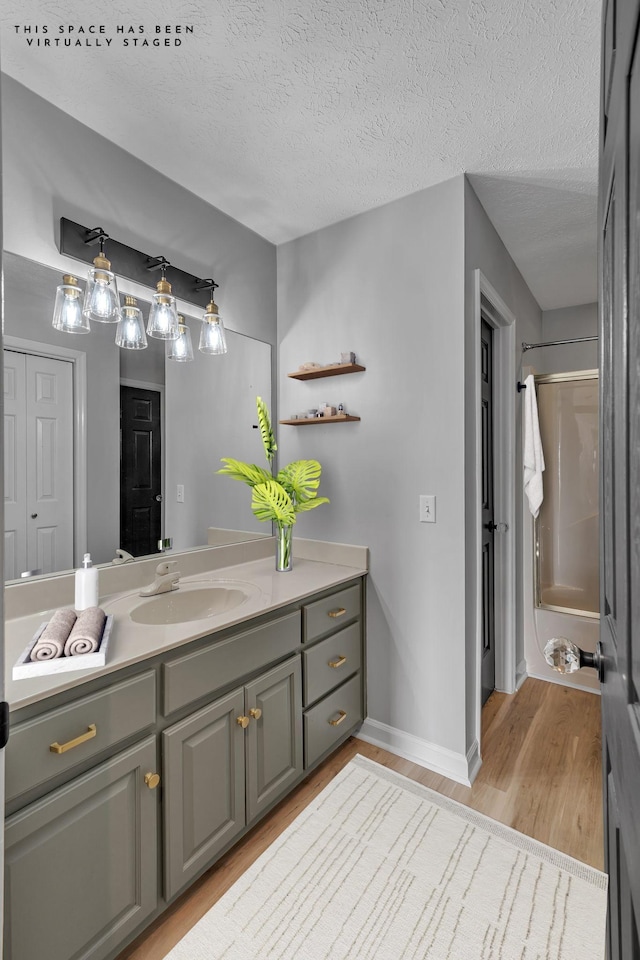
[{"x": 555, "y": 343}]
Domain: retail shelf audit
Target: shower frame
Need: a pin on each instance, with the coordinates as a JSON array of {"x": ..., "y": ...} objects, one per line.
[{"x": 573, "y": 611}]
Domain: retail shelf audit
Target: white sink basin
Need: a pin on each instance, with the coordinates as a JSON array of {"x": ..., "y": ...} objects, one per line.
[{"x": 194, "y": 601}]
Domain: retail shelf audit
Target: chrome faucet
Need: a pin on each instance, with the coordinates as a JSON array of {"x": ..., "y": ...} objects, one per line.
[{"x": 167, "y": 578}]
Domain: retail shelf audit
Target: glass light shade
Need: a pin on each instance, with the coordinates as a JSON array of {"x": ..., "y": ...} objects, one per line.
[
  {"x": 163, "y": 316},
  {"x": 67, "y": 311},
  {"x": 101, "y": 301},
  {"x": 130, "y": 333},
  {"x": 212, "y": 336},
  {"x": 182, "y": 348}
]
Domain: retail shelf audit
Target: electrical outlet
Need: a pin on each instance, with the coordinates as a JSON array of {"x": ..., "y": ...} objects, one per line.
[
  {"x": 427, "y": 508},
  {"x": 180, "y": 493}
]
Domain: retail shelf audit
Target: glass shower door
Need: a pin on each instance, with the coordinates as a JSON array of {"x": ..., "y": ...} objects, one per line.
[{"x": 567, "y": 568}]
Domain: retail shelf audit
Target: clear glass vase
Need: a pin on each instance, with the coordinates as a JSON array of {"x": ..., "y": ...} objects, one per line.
[{"x": 284, "y": 555}]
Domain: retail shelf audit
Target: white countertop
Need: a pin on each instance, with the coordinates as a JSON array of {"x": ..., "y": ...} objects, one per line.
[{"x": 134, "y": 642}]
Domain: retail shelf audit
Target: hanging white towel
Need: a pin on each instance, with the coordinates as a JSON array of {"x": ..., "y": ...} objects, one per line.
[{"x": 533, "y": 456}]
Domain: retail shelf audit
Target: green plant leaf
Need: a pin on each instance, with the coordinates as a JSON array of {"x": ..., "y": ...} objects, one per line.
[
  {"x": 271, "y": 501},
  {"x": 249, "y": 473},
  {"x": 264, "y": 422},
  {"x": 310, "y": 504},
  {"x": 300, "y": 479}
]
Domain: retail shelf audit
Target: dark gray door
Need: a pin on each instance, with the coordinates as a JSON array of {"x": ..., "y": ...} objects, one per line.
[
  {"x": 488, "y": 526},
  {"x": 140, "y": 471},
  {"x": 619, "y": 219}
]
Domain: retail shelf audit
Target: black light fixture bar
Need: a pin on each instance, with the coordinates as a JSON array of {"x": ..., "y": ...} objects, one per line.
[{"x": 77, "y": 241}]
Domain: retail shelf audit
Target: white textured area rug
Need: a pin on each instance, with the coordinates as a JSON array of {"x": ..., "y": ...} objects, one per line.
[{"x": 378, "y": 867}]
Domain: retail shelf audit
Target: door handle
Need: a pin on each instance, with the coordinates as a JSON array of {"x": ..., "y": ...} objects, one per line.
[
  {"x": 33, "y": 516},
  {"x": 500, "y": 527},
  {"x": 565, "y": 656},
  {"x": 158, "y": 497}
]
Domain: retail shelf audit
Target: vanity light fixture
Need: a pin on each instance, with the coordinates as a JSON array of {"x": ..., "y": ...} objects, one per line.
[
  {"x": 67, "y": 312},
  {"x": 130, "y": 333},
  {"x": 212, "y": 335},
  {"x": 163, "y": 316},
  {"x": 182, "y": 348},
  {"x": 101, "y": 301}
]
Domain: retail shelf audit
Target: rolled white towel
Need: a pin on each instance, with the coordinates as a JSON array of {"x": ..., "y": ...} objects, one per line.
[
  {"x": 86, "y": 633},
  {"x": 51, "y": 642}
]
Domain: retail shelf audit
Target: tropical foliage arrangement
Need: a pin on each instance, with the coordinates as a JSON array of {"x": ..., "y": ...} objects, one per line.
[{"x": 293, "y": 490}]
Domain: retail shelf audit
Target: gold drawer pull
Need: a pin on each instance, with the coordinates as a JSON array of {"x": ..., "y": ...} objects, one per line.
[
  {"x": 343, "y": 716},
  {"x": 152, "y": 780},
  {"x": 255, "y": 712},
  {"x": 339, "y": 662},
  {"x": 339, "y": 612},
  {"x": 242, "y": 722},
  {"x": 63, "y": 747}
]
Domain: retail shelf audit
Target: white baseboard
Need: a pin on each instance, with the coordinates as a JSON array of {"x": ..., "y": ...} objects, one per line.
[
  {"x": 521, "y": 674},
  {"x": 559, "y": 679},
  {"x": 455, "y": 766}
]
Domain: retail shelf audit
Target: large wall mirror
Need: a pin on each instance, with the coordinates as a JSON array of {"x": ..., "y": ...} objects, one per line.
[{"x": 68, "y": 400}]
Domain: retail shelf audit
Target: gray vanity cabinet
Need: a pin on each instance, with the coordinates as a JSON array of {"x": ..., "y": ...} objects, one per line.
[
  {"x": 273, "y": 703},
  {"x": 60, "y": 902},
  {"x": 204, "y": 788},
  {"x": 247, "y": 744}
]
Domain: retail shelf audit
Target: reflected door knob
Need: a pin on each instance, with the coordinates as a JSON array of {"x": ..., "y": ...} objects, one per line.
[
  {"x": 565, "y": 656},
  {"x": 159, "y": 497}
]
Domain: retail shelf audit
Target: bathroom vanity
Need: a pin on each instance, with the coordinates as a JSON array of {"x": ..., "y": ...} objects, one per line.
[{"x": 124, "y": 785}]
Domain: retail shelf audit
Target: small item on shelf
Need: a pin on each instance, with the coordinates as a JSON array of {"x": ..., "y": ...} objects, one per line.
[
  {"x": 310, "y": 365},
  {"x": 311, "y": 414},
  {"x": 294, "y": 416},
  {"x": 349, "y": 357},
  {"x": 86, "y": 585},
  {"x": 341, "y": 410}
]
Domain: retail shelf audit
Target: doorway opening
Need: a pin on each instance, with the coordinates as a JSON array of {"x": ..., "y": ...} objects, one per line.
[{"x": 499, "y": 322}]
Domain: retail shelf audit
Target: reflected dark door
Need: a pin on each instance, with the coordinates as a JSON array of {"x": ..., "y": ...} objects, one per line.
[
  {"x": 488, "y": 667},
  {"x": 140, "y": 465},
  {"x": 619, "y": 222}
]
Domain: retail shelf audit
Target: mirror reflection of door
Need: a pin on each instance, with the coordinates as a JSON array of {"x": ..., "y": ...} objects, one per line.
[
  {"x": 140, "y": 471},
  {"x": 38, "y": 471}
]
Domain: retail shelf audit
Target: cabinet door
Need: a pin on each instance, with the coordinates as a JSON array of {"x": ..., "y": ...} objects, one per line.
[
  {"x": 274, "y": 740},
  {"x": 81, "y": 864},
  {"x": 204, "y": 805}
]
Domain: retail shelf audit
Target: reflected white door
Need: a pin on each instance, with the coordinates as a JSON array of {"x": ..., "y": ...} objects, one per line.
[{"x": 38, "y": 464}]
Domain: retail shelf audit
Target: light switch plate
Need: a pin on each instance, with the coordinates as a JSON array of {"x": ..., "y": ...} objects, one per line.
[
  {"x": 428, "y": 508},
  {"x": 180, "y": 493}
]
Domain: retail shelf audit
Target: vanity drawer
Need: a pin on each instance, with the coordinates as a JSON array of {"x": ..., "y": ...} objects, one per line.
[
  {"x": 330, "y": 662},
  {"x": 118, "y": 712},
  {"x": 329, "y": 614},
  {"x": 211, "y": 668},
  {"x": 321, "y": 730}
]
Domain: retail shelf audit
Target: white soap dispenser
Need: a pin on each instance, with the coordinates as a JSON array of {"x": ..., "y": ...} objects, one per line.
[{"x": 86, "y": 585}]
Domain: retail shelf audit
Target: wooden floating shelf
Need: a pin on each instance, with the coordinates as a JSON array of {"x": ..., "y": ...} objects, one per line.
[
  {"x": 331, "y": 370},
  {"x": 306, "y": 422}
]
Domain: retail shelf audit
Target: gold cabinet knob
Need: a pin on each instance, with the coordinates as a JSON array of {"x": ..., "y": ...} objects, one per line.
[
  {"x": 152, "y": 780},
  {"x": 242, "y": 722},
  {"x": 255, "y": 712}
]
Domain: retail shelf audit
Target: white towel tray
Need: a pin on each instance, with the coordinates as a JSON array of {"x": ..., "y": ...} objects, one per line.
[{"x": 24, "y": 668}]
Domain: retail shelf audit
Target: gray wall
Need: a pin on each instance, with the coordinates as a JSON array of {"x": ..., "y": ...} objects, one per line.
[
  {"x": 566, "y": 324},
  {"x": 484, "y": 250},
  {"x": 54, "y": 166},
  {"x": 389, "y": 285}
]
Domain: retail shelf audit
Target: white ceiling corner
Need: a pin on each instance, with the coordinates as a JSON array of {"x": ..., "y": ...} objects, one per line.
[{"x": 293, "y": 114}]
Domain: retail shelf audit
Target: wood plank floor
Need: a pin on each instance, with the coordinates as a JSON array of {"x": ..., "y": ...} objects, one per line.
[{"x": 541, "y": 774}]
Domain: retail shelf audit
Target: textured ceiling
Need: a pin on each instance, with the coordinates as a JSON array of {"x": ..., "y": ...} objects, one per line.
[{"x": 293, "y": 114}]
